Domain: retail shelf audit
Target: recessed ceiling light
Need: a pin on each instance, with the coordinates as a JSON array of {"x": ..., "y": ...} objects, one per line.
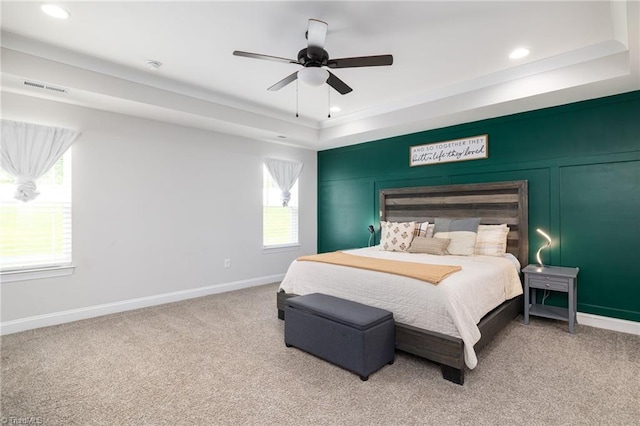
[
  {"x": 520, "y": 52},
  {"x": 335, "y": 109},
  {"x": 54, "y": 11}
]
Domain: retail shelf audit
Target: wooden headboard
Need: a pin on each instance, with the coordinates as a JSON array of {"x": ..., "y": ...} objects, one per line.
[{"x": 495, "y": 204}]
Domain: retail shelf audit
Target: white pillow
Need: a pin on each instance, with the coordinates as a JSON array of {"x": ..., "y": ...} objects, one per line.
[
  {"x": 396, "y": 236},
  {"x": 463, "y": 243},
  {"x": 492, "y": 240},
  {"x": 430, "y": 229}
]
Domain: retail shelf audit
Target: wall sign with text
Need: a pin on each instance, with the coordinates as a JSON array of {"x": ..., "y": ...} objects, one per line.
[{"x": 473, "y": 148}]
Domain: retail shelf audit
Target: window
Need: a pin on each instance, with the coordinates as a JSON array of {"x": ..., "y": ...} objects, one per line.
[
  {"x": 280, "y": 224},
  {"x": 37, "y": 234}
]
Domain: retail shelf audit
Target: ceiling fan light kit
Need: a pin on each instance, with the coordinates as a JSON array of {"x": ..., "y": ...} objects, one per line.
[
  {"x": 314, "y": 58},
  {"x": 313, "y": 76}
]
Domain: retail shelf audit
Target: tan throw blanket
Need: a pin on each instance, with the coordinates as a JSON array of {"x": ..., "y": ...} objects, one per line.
[{"x": 421, "y": 271}]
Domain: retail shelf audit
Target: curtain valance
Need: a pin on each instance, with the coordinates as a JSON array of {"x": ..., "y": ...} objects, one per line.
[
  {"x": 28, "y": 151},
  {"x": 285, "y": 173}
]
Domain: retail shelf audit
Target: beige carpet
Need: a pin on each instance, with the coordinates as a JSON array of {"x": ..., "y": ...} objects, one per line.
[{"x": 221, "y": 360}]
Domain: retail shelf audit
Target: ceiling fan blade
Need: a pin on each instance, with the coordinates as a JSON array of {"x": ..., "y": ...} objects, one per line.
[
  {"x": 362, "y": 61},
  {"x": 279, "y": 85},
  {"x": 316, "y": 33},
  {"x": 266, "y": 57},
  {"x": 340, "y": 86}
]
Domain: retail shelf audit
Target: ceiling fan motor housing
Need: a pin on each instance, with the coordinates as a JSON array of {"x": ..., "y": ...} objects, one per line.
[{"x": 313, "y": 57}]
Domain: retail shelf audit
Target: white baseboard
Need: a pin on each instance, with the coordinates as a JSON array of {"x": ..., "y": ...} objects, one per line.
[
  {"x": 55, "y": 318},
  {"x": 30, "y": 323},
  {"x": 615, "y": 324}
]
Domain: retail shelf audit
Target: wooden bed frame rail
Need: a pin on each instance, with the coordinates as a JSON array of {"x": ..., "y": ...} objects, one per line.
[{"x": 445, "y": 350}]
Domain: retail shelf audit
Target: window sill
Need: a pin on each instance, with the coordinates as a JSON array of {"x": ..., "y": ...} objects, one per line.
[
  {"x": 280, "y": 249},
  {"x": 35, "y": 274}
]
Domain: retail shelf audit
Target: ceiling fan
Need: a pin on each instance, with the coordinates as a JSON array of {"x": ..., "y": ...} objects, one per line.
[{"x": 314, "y": 58}]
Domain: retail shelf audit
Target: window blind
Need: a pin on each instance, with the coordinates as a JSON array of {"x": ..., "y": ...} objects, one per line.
[{"x": 37, "y": 234}]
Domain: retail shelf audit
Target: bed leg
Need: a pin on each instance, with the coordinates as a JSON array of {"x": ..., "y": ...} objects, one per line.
[
  {"x": 452, "y": 374},
  {"x": 280, "y": 314}
]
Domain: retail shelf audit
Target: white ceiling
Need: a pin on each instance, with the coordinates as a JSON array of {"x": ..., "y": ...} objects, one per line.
[{"x": 451, "y": 61}]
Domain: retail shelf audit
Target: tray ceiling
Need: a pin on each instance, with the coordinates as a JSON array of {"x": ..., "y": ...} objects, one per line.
[{"x": 451, "y": 62}]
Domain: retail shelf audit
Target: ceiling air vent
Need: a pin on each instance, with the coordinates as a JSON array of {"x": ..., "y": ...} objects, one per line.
[{"x": 45, "y": 86}]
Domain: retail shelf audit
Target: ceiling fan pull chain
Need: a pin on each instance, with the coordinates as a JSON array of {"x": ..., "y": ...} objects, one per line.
[
  {"x": 297, "y": 97},
  {"x": 328, "y": 101}
]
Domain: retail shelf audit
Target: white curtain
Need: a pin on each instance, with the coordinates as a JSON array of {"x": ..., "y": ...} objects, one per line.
[
  {"x": 285, "y": 173},
  {"x": 29, "y": 151}
]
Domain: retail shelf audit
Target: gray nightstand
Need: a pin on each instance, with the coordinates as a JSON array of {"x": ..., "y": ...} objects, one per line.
[{"x": 554, "y": 278}]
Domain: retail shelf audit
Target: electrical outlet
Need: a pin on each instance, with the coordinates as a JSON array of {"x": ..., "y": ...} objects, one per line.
[{"x": 227, "y": 263}]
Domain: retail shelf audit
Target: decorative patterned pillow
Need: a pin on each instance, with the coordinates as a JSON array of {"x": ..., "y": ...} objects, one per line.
[
  {"x": 463, "y": 243},
  {"x": 492, "y": 240},
  {"x": 421, "y": 229},
  {"x": 396, "y": 236},
  {"x": 429, "y": 245}
]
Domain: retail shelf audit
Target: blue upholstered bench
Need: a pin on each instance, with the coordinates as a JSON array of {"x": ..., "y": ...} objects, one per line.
[{"x": 356, "y": 337}]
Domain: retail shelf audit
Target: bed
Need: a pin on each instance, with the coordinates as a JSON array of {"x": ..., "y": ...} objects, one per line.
[{"x": 495, "y": 204}]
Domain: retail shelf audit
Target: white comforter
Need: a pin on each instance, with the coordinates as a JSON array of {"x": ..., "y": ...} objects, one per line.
[{"x": 454, "y": 307}]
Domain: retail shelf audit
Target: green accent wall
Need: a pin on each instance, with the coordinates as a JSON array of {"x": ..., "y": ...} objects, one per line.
[{"x": 582, "y": 162}]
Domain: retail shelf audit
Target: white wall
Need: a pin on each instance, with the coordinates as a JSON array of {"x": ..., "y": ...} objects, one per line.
[{"x": 156, "y": 209}]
